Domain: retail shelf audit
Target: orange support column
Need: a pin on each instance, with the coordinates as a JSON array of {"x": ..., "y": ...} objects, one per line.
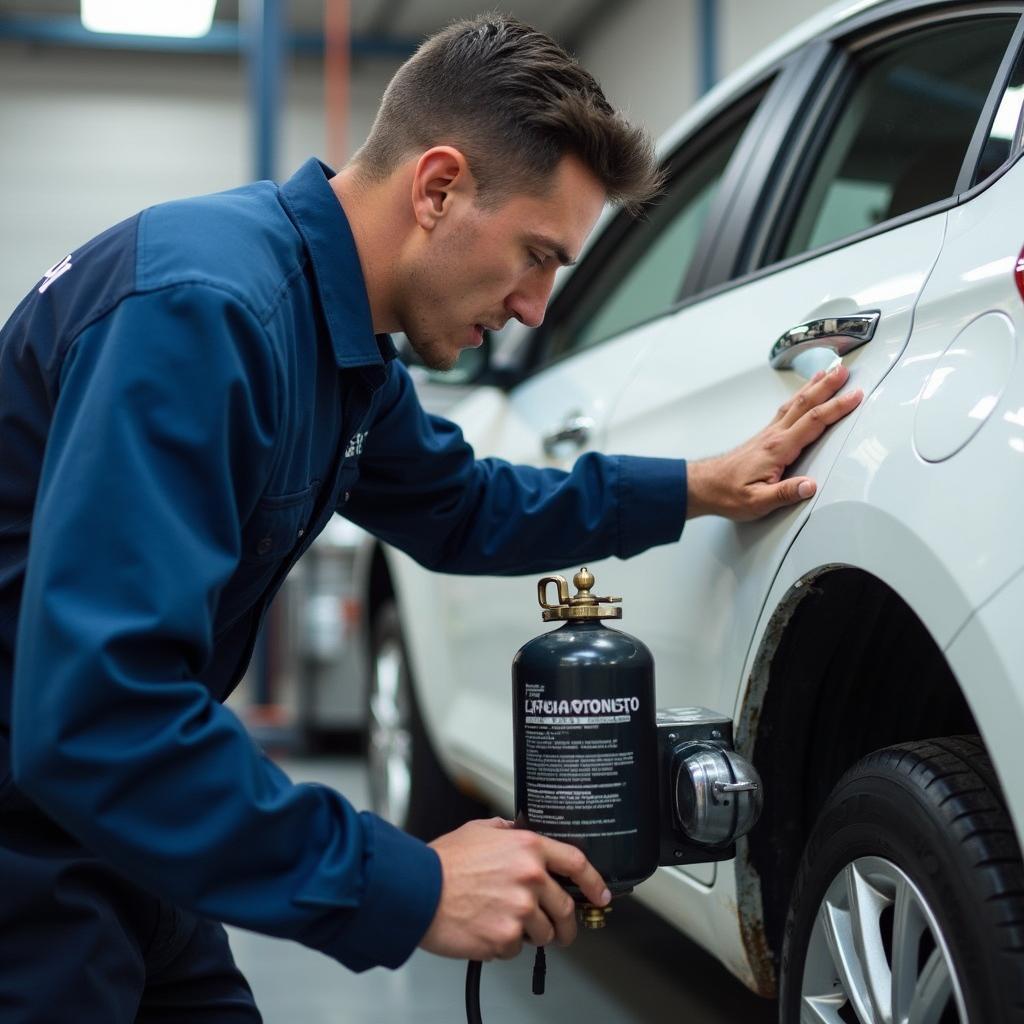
[{"x": 337, "y": 69}]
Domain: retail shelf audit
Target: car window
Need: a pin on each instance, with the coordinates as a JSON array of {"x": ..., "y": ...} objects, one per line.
[
  {"x": 639, "y": 275},
  {"x": 902, "y": 134},
  {"x": 1004, "y": 128}
]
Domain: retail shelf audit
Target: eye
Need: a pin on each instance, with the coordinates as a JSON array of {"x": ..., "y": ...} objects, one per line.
[{"x": 535, "y": 258}]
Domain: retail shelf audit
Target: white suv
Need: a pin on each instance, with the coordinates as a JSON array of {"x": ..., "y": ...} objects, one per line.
[{"x": 856, "y": 190}]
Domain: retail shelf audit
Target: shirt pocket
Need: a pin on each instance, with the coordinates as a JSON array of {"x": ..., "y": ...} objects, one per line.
[
  {"x": 278, "y": 523},
  {"x": 276, "y": 526}
]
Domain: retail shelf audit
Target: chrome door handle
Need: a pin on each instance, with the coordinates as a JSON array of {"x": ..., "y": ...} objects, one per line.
[
  {"x": 841, "y": 334},
  {"x": 575, "y": 430}
]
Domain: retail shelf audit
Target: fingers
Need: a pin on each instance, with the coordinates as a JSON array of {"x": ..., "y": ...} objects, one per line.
[
  {"x": 813, "y": 423},
  {"x": 509, "y": 949},
  {"x": 820, "y": 388},
  {"x": 563, "y": 859},
  {"x": 789, "y": 492},
  {"x": 538, "y": 929},
  {"x": 498, "y": 888},
  {"x": 786, "y": 406},
  {"x": 807, "y": 429},
  {"x": 560, "y": 913},
  {"x": 554, "y": 917}
]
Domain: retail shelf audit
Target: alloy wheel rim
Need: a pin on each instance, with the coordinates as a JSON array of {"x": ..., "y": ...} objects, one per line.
[
  {"x": 876, "y": 954},
  {"x": 390, "y": 736}
]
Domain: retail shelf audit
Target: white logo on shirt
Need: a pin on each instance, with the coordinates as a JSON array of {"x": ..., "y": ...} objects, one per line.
[
  {"x": 51, "y": 275},
  {"x": 355, "y": 446}
]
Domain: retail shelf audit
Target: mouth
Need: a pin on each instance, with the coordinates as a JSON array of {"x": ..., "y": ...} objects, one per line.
[{"x": 482, "y": 326}]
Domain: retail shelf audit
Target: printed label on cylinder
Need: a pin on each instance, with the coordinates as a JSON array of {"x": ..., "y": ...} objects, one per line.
[{"x": 579, "y": 765}]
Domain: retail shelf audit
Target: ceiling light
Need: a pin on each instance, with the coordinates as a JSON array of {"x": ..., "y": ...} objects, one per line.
[{"x": 189, "y": 18}]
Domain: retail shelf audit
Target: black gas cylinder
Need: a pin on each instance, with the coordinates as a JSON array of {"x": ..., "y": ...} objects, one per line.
[{"x": 586, "y": 756}]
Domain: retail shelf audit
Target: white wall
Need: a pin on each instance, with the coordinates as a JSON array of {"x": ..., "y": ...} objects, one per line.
[
  {"x": 91, "y": 137},
  {"x": 747, "y": 26},
  {"x": 645, "y": 55}
]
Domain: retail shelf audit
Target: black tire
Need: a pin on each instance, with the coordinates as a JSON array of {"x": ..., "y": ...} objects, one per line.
[
  {"x": 434, "y": 805},
  {"x": 933, "y": 810}
]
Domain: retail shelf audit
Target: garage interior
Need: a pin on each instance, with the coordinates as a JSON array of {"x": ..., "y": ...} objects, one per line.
[{"x": 97, "y": 126}]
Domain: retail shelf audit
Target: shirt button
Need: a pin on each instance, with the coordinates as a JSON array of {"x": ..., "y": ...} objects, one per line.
[
  {"x": 348, "y": 494},
  {"x": 301, "y": 532},
  {"x": 264, "y": 546}
]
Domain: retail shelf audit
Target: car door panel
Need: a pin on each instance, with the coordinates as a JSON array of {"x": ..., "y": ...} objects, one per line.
[
  {"x": 891, "y": 140},
  {"x": 705, "y": 386}
]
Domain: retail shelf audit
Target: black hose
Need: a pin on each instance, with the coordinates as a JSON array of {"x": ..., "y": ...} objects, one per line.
[
  {"x": 473, "y": 984},
  {"x": 473, "y": 992},
  {"x": 540, "y": 967}
]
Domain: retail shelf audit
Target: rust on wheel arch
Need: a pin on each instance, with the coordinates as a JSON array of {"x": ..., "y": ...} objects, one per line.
[{"x": 750, "y": 906}]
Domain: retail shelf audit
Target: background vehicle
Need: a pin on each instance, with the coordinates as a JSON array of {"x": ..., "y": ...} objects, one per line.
[{"x": 865, "y": 642}]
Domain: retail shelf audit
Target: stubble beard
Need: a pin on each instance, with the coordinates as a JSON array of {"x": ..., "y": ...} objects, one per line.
[
  {"x": 426, "y": 342},
  {"x": 433, "y": 352}
]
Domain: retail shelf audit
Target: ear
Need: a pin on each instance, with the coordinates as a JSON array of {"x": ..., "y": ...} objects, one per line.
[{"x": 441, "y": 174}]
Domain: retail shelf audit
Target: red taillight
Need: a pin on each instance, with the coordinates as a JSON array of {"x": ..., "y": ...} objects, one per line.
[{"x": 1018, "y": 273}]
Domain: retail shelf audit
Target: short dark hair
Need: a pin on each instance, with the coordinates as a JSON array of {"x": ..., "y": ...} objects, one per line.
[{"x": 514, "y": 102}]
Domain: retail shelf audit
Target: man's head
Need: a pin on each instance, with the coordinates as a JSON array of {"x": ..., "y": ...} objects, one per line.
[{"x": 499, "y": 151}]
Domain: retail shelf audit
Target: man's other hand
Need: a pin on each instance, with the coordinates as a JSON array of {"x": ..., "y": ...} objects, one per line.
[
  {"x": 497, "y": 890},
  {"x": 747, "y": 483}
]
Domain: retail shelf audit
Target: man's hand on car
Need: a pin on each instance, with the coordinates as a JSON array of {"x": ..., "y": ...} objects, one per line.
[
  {"x": 497, "y": 890},
  {"x": 747, "y": 483}
]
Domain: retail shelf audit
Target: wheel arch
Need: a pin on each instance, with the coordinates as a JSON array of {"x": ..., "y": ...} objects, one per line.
[
  {"x": 848, "y": 658},
  {"x": 831, "y": 694}
]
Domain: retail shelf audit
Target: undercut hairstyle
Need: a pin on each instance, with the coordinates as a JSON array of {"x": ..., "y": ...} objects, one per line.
[{"x": 514, "y": 103}]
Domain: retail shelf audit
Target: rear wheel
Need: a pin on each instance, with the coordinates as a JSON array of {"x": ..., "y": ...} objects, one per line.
[
  {"x": 909, "y": 904},
  {"x": 408, "y": 785}
]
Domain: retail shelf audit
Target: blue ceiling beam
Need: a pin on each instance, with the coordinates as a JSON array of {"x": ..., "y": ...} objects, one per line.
[
  {"x": 707, "y": 34},
  {"x": 225, "y": 37},
  {"x": 265, "y": 46}
]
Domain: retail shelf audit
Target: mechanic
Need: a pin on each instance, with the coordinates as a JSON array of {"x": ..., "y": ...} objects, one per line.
[{"x": 184, "y": 403}]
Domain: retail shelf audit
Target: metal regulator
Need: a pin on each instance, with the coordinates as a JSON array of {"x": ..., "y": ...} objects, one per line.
[{"x": 597, "y": 765}]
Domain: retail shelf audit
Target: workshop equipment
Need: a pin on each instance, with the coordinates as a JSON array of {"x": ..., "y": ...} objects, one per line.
[
  {"x": 585, "y": 745},
  {"x": 598, "y": 766}
]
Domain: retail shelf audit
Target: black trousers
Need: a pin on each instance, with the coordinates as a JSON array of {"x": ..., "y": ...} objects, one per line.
[{"x": 81, "y": 944}]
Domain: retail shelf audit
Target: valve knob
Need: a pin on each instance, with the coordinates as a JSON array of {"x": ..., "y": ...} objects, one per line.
[{"x": 717, "y": 793}]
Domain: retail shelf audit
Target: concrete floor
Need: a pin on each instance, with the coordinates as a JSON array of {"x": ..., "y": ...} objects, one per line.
[{"x": 637, "y": 971}]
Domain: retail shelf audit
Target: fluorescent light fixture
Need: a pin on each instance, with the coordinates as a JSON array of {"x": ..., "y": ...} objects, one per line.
[{"x": 188, "y": 18}]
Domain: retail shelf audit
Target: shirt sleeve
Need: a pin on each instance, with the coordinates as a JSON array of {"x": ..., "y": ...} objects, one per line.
[
  {"x": 162, "y": 438},
  {"x": 422, "y": 489}
]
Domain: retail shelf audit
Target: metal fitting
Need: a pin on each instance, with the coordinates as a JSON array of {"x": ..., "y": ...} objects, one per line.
[{"x": 592, "y": 917}]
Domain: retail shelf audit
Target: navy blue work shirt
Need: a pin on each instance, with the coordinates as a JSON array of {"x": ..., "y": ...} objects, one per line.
[{"x": 184, "y": 403}]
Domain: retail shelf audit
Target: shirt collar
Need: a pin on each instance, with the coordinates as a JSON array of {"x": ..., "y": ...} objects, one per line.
[{"x": 312, "y": 205}]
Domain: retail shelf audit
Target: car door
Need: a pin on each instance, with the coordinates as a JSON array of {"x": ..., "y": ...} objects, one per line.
[
  {"x": 560, "y": 410},
  {"x": 845, "y": 225}
]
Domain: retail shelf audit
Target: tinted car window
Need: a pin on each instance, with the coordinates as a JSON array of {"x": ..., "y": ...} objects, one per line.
[
  {"x": 1004, "y": 128},
  {"x": 640, "y": 277},
  {"x": 903, "y": 132}
]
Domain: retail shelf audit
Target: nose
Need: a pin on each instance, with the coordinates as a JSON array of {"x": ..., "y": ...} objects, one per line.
[{"x": 529, "y": 301}]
